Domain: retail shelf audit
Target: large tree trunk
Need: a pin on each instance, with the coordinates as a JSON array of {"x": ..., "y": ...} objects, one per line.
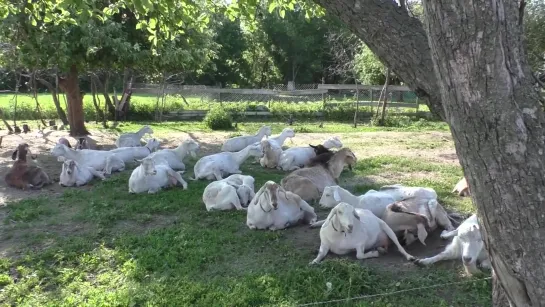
[
  {"x": 498, "y": 126},
  {"x": 386, "y": 29},
  {"x": 53, "y": 91},
  {"x": 70, "y": 85}
]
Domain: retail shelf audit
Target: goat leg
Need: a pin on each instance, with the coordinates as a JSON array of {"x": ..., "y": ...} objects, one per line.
[
  {"x": 324, "y": 249},
  {"x": 390, "y": 233},
  {"x": 362, "y": 255}
]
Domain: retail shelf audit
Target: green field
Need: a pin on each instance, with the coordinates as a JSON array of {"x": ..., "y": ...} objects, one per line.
[
  {"x": 143, "y": 108},
  {"x": 100, "y": 246}
]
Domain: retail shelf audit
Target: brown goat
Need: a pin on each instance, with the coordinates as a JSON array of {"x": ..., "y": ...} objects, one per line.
[
  {"x": 310, "y": 182},
  {"x": 24, "y": 176},
  {"x": 323, "y": 155}
]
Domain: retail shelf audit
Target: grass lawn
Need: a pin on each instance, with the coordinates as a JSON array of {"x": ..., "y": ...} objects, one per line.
[{"x": 101, "y": 246}]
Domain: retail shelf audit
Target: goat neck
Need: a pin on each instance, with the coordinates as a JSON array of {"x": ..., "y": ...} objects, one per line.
[
  {"x": 347, "y": 197},
  {"x": 281, "y": 138},
  {"x": 261, "y": 132},
  {"x": 70, "y": 153},
  {"x": 336, "y": 164},
  {"x": 241, "y": 156},
  {"x": 141, "y": 132}
]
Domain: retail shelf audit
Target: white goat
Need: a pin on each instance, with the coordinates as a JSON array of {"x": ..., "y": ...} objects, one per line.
[
  {"x": 240, "y": 142},
  {"x": 415, "y": 200},
  {"x": 75, "y": 174},
  {"x": 97, "y": 159},
  {"x": 401, "y": 192},
  {"x": 234, "y": 191},
  {"x": 467, "y": 243},
  {"x": 224, "y": 163},
  {"x": 175, "y": 157},
  {"x": 274, "y": 208},
  {"x": 151, "y": 177},
  {"x": 347, "y": 228},
  {"x": 279, "y": 139},
  {"x": 129, "y": 154},
  {"x": 132, "y": 139},
  {"x": 373, "y": 201},
  {"x": 296, "y": 157}
]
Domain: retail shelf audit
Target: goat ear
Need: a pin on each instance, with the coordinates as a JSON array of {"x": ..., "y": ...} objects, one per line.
[
  {"x": 336, "y": 195},
  {"x": 14, "y": 154},
  {"x": 356, "y": 215},
  {"x": 312, "y": 146}
]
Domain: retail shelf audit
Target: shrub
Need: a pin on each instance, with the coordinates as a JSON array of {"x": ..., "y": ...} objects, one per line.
[{"x": 218, "y": 119}]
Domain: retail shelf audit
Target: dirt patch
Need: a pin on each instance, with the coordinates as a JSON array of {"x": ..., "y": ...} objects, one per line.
[
  {"x": 304, "y": 238},
  {"x": 431, "y": 146}
]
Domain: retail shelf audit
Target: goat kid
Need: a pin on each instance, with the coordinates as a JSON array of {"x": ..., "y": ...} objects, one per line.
[
  {"x": 274, "y": 208},
  {"x": 346, "y": 229},
  {"x": 24, "y": 176},
  {"x": 235, "y": 191},
  {"x": 151, "y": 177},
  {"x": 467, "y": 243},
  {"x": 75, "y": 174}
]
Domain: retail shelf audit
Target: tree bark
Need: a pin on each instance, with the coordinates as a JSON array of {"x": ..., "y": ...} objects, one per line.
[
  {"x": 387, "y": 28},
  {"x": 104, "y": 89},
  {"x": 70, "y": 85},
  {"x": 498, "y": 127},
  {"x": 56, "y": 102},
  {"x": 385, "y": 102}
]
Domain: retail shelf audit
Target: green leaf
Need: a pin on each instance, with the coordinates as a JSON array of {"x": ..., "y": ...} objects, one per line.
[
  {"x": 152, "y": 22},
  {"x": 272, "y": 6},
  {"x": 282, "y": 13}
]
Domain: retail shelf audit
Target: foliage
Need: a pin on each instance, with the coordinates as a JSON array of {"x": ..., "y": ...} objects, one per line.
[
  {"x": 218, "y": 119},
  {"x": 534, "y": 23},
  {"x": 291, "y": 39},
  {"x": 369, "y": 69}
]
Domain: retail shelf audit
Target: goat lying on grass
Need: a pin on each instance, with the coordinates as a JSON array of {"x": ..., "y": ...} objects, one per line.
[
  {"x": 235, "y": 191},
  {"x": 310, "y": 182},
  {"x": 133, "y": 139},
  {"x": 240, "y": 142},
  {"x": 214, "y": 167},
  {"x": 297, "y": 157},
  {"x": 274, "y": 208},
  {"x": 151, "y": 177},
  {"x": 175, "y": 157},
  {"x": 24, "y": 176},
  {"x": 75, "y": 174},
  {"x": 467, "y": 243},
  {"x": 346, "y": 229},
  {"x": 100, "y": 160}
]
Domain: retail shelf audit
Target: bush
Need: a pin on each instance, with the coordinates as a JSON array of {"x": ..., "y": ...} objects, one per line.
[{"x": 218, "y": 119}]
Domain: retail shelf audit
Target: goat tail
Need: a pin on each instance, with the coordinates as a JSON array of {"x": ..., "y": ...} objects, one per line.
[{"x": 396, "y": 207}]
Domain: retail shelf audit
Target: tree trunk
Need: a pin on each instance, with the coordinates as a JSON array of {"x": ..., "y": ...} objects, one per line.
[
  {"x": 70, "y": 85},
  {"x": 386, "y": 27},
  {"x": 56, "y": 102},
  {"x": 385, "y": 102},
  {"x": 498, "y": 126},
  {"x": 100, "y": 114},
  {"x": 357, "y": 104},
  {"x": 104, "y": 89}
]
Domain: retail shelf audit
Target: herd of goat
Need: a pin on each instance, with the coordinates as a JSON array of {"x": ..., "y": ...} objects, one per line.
[{"x": 365, "y": 223}]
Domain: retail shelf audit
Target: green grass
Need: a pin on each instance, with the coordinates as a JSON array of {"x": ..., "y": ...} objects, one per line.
[
  {"x": 106, "y": 247},
  {"x": 143, "y": 108}
]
